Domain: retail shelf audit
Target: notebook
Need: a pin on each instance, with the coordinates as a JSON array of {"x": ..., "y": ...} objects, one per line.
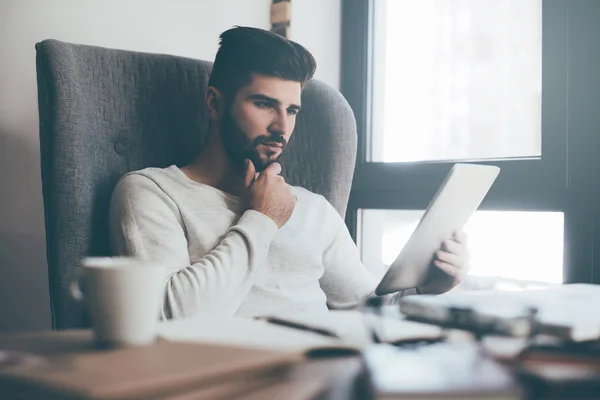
[{"x": 153, "y": 371}]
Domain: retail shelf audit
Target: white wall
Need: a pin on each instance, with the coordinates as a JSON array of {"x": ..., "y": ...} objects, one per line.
[{"x": 182, "y": 27}]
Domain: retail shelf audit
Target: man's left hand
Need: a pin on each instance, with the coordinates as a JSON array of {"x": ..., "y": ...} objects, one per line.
[{"x": 449, "y": 267}]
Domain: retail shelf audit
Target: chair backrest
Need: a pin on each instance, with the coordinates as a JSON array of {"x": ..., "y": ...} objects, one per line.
[{"x": 105, "y": 112}]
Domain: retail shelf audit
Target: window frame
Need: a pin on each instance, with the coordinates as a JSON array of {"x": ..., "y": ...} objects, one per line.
[{"x": 558, "y": 181}]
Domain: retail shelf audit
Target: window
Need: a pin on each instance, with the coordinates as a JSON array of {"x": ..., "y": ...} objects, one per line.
[
  {"x": 468, "y": 88},
  {"x": 510, "y": 83},
  {"x": 508, "y": 248}
]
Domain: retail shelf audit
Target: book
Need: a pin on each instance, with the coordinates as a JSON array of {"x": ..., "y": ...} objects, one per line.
[
  {"x": 561, "y": 370},
  {"x": 153, "y": 371}
]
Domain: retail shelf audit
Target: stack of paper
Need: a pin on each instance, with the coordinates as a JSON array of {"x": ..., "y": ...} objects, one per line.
[
  {"x": 561, "y": 311},
  {"x": 355, "y": 328}
]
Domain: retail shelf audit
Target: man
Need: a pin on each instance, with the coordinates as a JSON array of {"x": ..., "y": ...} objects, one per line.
[{"x": 236, "y": 238}]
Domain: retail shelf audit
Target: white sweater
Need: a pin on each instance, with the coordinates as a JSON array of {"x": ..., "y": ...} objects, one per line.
[{"x": 223, "y": 260}]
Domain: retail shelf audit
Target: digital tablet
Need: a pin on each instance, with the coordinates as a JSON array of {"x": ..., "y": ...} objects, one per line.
[{"x": 456, "y": 200}]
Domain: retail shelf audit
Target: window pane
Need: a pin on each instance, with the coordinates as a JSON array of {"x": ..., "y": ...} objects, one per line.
[
  {"x": 507, "y": 247},
  {"x": 456, "y": 80}
]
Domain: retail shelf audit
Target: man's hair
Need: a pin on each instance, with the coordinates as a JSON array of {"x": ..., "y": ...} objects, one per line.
[{"x": 245, "y": 51}]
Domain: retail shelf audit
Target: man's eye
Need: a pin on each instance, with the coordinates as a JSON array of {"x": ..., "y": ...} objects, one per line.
[
  {"x": 293, "y": 111},
  {"x": 263, "y": 104}
]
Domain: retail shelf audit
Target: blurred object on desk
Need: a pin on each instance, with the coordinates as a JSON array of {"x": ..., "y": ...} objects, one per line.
[
  {"x": 339, "y": 378},
  {"x": 556, "y": 369},
  {"x": 325, "y": 379},
  {"x": 438, "y": 371},
  {"x": 239, "y": 331},
  {"x": 156, "y": 370},
  {"x": 68, "y": 365},
  {"x": 159, "y": 370},
  {"x": 549, "y": 367},
  {"x": 353, "y": 327},
  {"x": 561, "y": 311}
]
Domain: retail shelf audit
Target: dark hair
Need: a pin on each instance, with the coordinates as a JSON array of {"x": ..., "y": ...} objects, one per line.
[{"x": 245, "y": 51}]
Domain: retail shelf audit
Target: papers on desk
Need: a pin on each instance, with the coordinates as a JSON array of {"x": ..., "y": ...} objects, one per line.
[
  {"x": 354, "y": 327},
  {"x": 338, "y": 329},
  {"x": 438, "y": 371},
  {"x": 347, "y": 329},
  {"x": 71, "y": 367},
  {"x": 562, "y": 311},
  {"x": 243, "y": 332}
]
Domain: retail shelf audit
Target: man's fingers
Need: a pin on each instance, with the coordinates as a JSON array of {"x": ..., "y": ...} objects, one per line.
[
  {"x": 448, "y": 258},
  {"x": 460, "y": 249},
  {"x": 454, "y": 247},
  {"x": 448, "y": 269},
  {"x": 250, "y": 173},
  {"x": 461, "y": 237},
  {"x": 273, "y": 168}
]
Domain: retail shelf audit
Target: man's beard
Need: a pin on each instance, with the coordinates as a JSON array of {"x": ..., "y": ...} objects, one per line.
[{"x": 239, "y": 147}]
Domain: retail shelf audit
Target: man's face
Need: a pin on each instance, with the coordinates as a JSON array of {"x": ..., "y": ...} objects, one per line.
[{"x": 259, "y": 122}]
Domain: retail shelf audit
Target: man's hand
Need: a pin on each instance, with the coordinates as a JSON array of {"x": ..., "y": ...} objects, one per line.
[
  {"x": 450, "y": 266},
  {"x": 268, "y": 193}
]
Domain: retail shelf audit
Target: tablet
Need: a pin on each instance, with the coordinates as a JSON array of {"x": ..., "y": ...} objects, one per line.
[{"x": 456, "y": 200}]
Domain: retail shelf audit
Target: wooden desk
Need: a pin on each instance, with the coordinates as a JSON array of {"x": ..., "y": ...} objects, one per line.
[
  {"x": 301, "y": 380},
  {"x": 337, "y": 373}
]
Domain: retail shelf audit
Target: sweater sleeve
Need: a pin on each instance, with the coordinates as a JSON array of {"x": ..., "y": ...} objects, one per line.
[
  {"x": 346, "y": 281},
  {"x": 146, "y": 223}
]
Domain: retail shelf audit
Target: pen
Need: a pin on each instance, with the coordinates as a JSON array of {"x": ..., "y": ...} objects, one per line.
[{"x": 295, "y": 325}]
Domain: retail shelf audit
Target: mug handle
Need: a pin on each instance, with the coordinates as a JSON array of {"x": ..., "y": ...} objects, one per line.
[{"x": 75, "y": 285}]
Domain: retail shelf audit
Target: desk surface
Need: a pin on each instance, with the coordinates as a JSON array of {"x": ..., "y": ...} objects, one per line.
[
  {"x": 305, "y": 381},
  {"x": 233, "y": 331},
  {"x": 350, "y": 326}
]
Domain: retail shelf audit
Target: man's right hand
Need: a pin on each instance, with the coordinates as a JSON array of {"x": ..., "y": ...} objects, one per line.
[{"x": 268, "y": 193}]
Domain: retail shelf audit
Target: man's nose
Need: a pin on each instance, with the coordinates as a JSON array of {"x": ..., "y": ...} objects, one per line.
[{"x": 280, "y": 123}]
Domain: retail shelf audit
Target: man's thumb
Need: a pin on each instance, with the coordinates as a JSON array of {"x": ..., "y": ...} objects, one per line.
[{"x": 250, "y": 173}]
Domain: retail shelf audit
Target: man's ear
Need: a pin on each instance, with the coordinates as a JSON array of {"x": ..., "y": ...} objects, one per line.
[{"x": 214, "y": 102}]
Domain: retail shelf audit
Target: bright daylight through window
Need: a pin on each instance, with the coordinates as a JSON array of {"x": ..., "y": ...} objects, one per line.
[
  {"x": 456, "y": 80},
  {"x": 509, "y": 249},
  {"x": 460, "y": 80}
]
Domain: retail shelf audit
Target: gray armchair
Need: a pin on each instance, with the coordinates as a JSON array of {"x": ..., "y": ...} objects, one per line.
[{"x": 104, "y": 112}]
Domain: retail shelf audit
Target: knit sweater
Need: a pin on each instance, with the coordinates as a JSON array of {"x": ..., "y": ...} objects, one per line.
[{"x": 221, "y": 259}]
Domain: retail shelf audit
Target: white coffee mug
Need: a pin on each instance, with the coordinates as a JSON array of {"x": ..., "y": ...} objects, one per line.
[{"x": 123, "y": 296}]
